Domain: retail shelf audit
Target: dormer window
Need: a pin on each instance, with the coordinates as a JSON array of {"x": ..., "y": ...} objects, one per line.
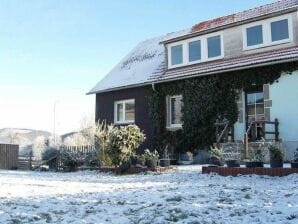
[
  {"x": 214, "y": 46},
  {"x": 268, "y": 32},
  {"x": 280, "y": 30},
  {"x": 195, "y": 50},
  {"x": 254, "y": 35},
  {"x": 176, "y": 55}
]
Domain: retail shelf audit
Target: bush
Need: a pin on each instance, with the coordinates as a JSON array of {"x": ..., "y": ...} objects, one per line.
[
  {"x": 151, "y": 158},
  {"x": 50, "y": 154},
  {"x": 123, "y": 142},
  {"x": 275, "y": 153},
  {"x": 69, "y": 160}
]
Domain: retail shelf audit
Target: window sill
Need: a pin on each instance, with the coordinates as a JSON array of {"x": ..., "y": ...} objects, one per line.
[
  {"x": 173, "y": 128},
  {"x": 124, "y": 123}
]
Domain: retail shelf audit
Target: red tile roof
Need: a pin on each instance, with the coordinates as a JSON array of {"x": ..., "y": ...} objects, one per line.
[{"x": 228, "y": 64}]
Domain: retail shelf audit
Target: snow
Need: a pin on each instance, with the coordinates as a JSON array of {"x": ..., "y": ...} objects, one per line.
[
  {"x": 147, "y": 58},
  {"x": 182, "y": 195}
]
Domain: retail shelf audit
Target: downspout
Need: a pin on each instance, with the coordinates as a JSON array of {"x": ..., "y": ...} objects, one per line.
[{"x": 153, "y": 86}]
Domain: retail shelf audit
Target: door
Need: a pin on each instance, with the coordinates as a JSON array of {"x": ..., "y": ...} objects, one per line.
[{"x": 255, "y": 115}]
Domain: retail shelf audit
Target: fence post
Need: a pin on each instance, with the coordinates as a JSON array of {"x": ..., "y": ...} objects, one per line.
[
  {"x": 276, "y": 124},
  {"x": 30, "y": 160},
  {"x": 245, "y": 145}
]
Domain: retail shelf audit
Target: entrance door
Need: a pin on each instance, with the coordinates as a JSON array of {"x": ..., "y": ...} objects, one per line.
[{"x": 255, "y": 115}]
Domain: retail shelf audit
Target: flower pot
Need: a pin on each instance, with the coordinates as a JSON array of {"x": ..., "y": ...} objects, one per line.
[
  {"x": 164, "y": 162},
  {"x": 254, "y": 164},
  {"x": 276, "y": 163},
  {"x": 233, "y": 163},
  {"x": 294, "y": 164}
]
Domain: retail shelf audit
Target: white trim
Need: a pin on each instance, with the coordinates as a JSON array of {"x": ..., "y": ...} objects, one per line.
[
  {"x": 204, "y": 50},
  {"x": 169, "y": 113},
  {"x": 123, "y": 102},
  {"x": 266, "y": 28}
]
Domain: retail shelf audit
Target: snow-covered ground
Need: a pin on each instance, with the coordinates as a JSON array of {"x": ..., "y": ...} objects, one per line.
[{"x": 183, "y": 195}]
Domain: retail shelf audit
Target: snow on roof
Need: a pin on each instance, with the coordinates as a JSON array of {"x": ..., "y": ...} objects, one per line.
[{"x": 146, "y": 59}]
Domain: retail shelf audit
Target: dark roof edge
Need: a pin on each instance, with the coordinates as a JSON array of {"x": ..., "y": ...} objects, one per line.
[
  {"x": 151, "y": 82},
  {"x": 219, "y": 28},
  {"x": 227, "y": 70}
]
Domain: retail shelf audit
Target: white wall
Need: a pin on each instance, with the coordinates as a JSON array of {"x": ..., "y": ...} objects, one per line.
[{"x": 284, "y": 96}]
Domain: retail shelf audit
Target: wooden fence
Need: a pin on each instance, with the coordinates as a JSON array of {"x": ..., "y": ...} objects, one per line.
[{"x": 9, "y": 156}]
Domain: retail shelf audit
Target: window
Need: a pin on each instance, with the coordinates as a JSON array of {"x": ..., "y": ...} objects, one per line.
[
  {"x": 214, "y": 46},
  {"x": 124, "y": 111},
  {"x": 268, "y": 32},
  {"x": 176, "y": 55},
  {"x": 174, "y": 111},
  {"x": 279, "y": 30},
  {"x": 255, "y": 106},
  {"x": 254, "y": 35},
  {"x": 194, "y": 50}
]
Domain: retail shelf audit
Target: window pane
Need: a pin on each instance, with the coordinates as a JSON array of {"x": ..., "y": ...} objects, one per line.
[
  {"x": 259, "y": 97},
  {"x": 279, "y": 30},
  {"x": 254, "y": 35},
  {"x": 176, "y": 110},
  {"x": 251, "y": 98},
  {"x": 194, "y": 50},
  {"x": 119, "y": 112},
  {"x": 130, "y": 111},
  {"x": 176, "y": 55},
  {"x": 260, "y": 109},
  {"x": 251, "y": 110},
  {"x": 214, "y": 48}
]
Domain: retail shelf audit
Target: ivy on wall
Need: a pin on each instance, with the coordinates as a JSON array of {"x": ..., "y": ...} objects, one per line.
[{"x": 205, "y": 99}]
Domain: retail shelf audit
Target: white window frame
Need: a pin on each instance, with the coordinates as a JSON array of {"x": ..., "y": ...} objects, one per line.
[
  {"x": 266, "y": 27},
  {"x": 204, "y": 50},
  {"x": 169, "y": 113},
  {"x": 123, "y": 102}
]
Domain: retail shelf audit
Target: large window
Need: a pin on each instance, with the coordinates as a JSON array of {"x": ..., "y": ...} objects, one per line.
[
  {"x": 214, "y": 46},
  {"x": 255, "y": 106},
  {"x": 176, "y": 55},
  {"x": 124, "y": 111},
  {"x": 268, "y": 32},
  {"x": 254, "y": 35},
  {"x": 174, "y": 111}
]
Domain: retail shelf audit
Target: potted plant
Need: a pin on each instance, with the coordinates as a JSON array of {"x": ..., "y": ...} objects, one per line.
[
  {"x": 232, "y": 158},
  {"x": 256, "y": 158},
  {"x": 276, "y": 157},
  {"x": 216, "y": 157},
  {"x": 151, "y": 158},
  {"x": 294, "y": 162}
]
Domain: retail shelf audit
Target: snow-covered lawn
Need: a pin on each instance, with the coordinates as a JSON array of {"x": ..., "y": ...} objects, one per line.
[{"x": 183, "y": 195}]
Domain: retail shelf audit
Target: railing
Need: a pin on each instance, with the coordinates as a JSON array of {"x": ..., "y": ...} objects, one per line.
[
  {"x": 253, "y": 131},
  {"x": 223, "y": 135}
]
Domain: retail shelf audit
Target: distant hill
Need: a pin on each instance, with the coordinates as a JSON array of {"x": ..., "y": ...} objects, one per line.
[{"x": 21, "y": 136}]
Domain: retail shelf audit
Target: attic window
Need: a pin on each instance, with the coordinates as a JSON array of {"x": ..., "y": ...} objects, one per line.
[
  {"x": 214, "y": 46},
  {"x": 268, "y": 32},
  {"x": 194, "y": 50},
  {"x": 176, "y": 54}
]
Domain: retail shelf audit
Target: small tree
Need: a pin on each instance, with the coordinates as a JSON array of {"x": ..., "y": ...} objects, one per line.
[
  {"x": 124, "y": 140},
  {"x": 39, "y": 146}
]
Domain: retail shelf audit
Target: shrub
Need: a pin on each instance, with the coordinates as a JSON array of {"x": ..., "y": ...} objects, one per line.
[
  {"x": 275, "y": 153},
  {"x": 123, "y": 141},
  {"x": 69, "y": 160},
  {"x": 50, "y": 155},
  {"x": 151, "y": 158}
]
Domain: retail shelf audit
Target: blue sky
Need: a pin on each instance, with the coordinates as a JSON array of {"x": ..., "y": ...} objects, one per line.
[{"x": 57, "y": 50}]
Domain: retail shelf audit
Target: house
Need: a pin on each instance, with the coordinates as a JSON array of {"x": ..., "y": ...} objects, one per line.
[{"x": 239, "y": 71}]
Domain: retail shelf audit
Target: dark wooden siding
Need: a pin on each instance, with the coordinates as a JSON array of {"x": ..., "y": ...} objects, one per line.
[{"x": 105, "y": 108}]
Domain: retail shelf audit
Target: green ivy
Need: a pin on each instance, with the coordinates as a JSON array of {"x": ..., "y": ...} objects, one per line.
[{"x": 205, "y": 99}]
